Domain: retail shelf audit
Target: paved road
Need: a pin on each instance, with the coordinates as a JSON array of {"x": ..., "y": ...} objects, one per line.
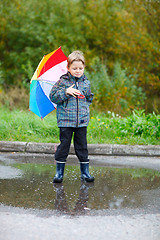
[
  {"x": 98, "y": 160},
  {"x": 31, "y": 224}
]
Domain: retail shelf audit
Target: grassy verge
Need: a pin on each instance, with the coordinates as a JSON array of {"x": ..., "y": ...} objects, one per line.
[{"x": 110, "y": 128}]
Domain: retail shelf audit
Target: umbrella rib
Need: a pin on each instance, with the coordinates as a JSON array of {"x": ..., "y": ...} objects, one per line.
[{"x": 46, "y": 81}]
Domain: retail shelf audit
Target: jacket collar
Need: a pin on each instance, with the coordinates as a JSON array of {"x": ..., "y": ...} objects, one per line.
[{"x": 76, "y": 78}]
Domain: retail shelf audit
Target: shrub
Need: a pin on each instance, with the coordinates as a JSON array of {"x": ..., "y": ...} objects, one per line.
[{"x": 115, "y": 92}]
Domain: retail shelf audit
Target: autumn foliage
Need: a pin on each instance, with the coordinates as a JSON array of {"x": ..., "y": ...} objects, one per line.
[{"x": 112, "y": 34}]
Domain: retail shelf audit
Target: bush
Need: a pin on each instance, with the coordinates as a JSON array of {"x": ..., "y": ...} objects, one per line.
[
  {"x": 14, "y": 97},
  {"x": 117, "y": 92}
]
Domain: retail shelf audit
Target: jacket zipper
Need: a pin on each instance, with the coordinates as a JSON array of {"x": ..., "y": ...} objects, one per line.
[{"x": 77, "y": 105}]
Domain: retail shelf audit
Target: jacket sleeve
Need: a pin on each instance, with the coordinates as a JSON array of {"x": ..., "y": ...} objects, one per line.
[
  {"x": 58, "y": 92},
  {"x": 87, "y": 92}
]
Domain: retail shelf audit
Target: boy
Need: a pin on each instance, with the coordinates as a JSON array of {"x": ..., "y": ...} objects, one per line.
[{"x": 72, "y": 94}]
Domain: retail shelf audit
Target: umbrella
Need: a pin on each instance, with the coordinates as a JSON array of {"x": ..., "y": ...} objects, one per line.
[{"x": 48, "y": 72}]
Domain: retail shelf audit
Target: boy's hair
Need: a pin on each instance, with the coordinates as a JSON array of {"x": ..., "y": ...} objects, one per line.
[{"x": 75, "y": 56}]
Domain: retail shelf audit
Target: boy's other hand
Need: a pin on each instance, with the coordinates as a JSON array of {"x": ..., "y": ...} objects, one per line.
[{"x": 72, "y": 91}]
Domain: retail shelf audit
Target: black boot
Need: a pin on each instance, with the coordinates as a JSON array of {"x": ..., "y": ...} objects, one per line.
[
  {"x": 85, "y": 175},
  {"x": 58, "y": 178}
]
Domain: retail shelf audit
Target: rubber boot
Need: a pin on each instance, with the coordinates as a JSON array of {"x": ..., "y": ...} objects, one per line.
[
  {"x": 85, "y": 175},
  {"x": 58, "y": 178}
]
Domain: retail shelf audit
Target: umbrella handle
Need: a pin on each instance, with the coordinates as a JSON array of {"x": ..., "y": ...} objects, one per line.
[{"x": 81, "y": 96}]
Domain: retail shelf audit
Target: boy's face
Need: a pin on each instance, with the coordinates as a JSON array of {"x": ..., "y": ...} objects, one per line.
[{"x": 76, "y": 69}]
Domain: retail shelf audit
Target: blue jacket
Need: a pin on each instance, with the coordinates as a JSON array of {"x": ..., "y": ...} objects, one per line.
[{"x": 72, "y": 112}]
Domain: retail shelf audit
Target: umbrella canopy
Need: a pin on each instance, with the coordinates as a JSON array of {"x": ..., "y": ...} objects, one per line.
[{"x": 49, "y": 70}]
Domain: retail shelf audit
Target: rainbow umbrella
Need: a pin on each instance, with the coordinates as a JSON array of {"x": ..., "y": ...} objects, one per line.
[{"x": 49, "y": 70}]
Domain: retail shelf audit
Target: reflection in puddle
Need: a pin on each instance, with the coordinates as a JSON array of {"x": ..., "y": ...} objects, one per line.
[
  {"x": 80, "y": 207},
  {"x": 114, "y": 188}
]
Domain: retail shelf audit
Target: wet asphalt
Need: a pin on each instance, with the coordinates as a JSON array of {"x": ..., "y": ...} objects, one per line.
[{"x": 117, "y": 206}]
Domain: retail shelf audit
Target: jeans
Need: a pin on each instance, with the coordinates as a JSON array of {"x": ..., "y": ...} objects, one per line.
[{"x": 80, "y": 144}]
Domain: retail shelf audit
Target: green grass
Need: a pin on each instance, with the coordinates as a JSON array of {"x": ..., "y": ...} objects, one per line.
[
  {"x": 25, "y": 126},
  {"x": 110, "y": 128},
  {"x": 137, "y": 128}
]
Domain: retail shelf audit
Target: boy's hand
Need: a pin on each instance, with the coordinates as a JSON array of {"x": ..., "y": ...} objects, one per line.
[{"x": 72, "y": 91}]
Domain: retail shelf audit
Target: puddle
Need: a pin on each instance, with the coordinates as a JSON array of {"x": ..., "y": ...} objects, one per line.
[
  {"x": 117, "y": 189},
  {"x": 7, "y": 172}
]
